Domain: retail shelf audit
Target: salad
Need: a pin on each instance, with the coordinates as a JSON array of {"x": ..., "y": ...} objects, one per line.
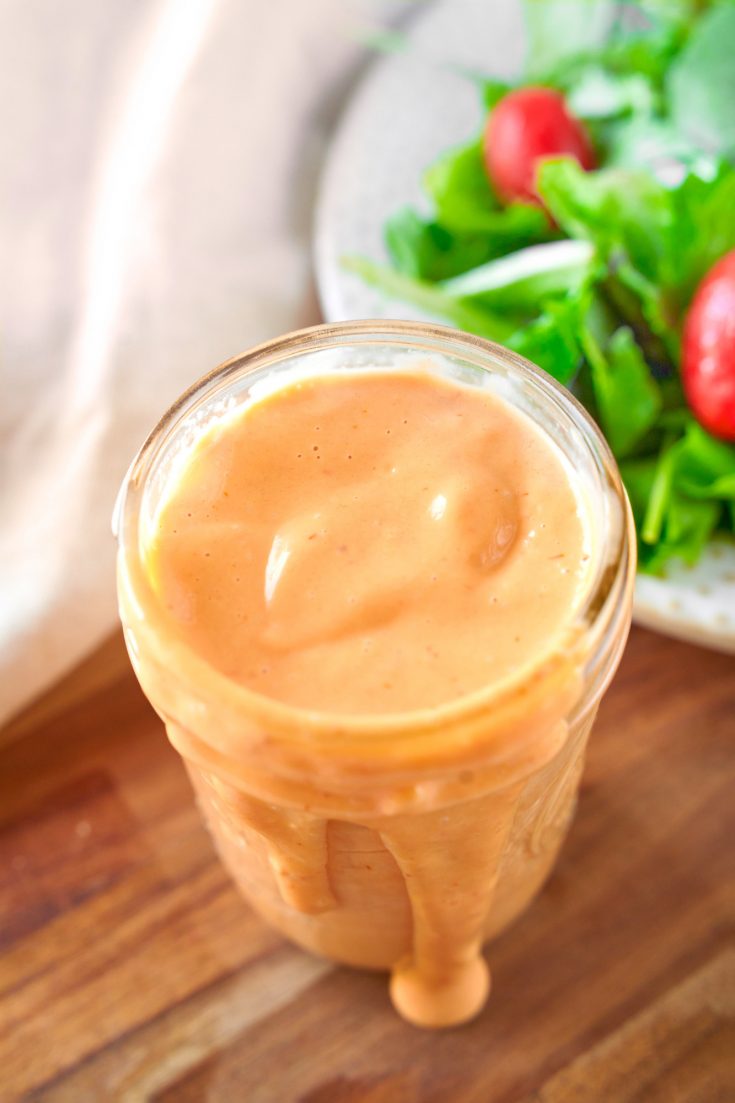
[{"x": 590, "y": 226}]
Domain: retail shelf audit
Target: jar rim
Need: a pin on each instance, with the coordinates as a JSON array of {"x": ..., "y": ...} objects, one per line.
[{"x": 606, "y": 600}]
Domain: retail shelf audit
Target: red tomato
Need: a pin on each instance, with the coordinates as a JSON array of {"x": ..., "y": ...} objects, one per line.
[
  {"x": 525, "y": 127},
  {"x": 708, "y": 351}
]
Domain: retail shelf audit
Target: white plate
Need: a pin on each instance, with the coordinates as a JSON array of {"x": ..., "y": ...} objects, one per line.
[{"x": 408, "y": 109}]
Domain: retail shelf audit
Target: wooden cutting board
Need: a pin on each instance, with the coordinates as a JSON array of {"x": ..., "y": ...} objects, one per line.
[{"x": 131, "y": 970}]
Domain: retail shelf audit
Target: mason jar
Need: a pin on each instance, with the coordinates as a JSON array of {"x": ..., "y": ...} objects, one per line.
[{"x": 399, "y": 842}]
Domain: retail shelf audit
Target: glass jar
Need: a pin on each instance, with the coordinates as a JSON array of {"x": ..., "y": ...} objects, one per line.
[{"x": 397, "y": 842}]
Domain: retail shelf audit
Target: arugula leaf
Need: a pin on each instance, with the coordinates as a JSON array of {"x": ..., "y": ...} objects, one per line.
[
  {"x": 459, "y": 186},
  {"x": 426, "y": 249},
  {"x": 617, "y": 210},
  {"x": 678, "y": 496},
  {"x": 642, "y": 305},
  {"x": 470, "y": 226},
  {"x": 730, "y": 516},
  {"x": 636, "y": 46},
  {"x": 643, "y": 141},
  {"x": 659, "y": 496},
  {"x": 705, "y": 466},
  {"x": 688, "y": 527},
  {"x": 465, "y": 202},
  {"x": 413, "y": 243},
  {"x": 703, "y": 229},
  {"x": 520, "y": 282},
  {"x": 680, "y": 13},
  {"x": 645, "y": 47},
  {"x": 431, "y": 298},
  {"x": 722, "y": 488},
  {"x": 557, "y": 30},
  {"x": 658, "y": 241},
  {"x": 492, "y": 91},
  {"x": 552, "y": 339},
  {"x": 638, "y": 476},
  {"x": 599, "y": 94},
  {"x": 627, "y": 216},
  {"x": 701, "y": 83},
  {"x": 628, "y": 398}
]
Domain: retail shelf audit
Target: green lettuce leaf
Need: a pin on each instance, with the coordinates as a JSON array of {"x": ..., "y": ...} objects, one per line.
[
  {"x": 598, "y": 93},
  {"x": 628, "y": 398},
  {"x": 464, "y": 201},
  {"x": 687, "y": 528},
  {"x": 426, "y": 249},
  {"x": 552, "y": 339},
  {"x": 658, "y": 238},
  {"x": 522, "y": 281},
  {"x": 431, "y": 299},
  {"x": 682, "y": 496},
  {"x": 559, "y": 30},
  {"x": 703, "y": 229},
  {"x": 701, "y": 83},
  {"x": 705, "y": 467}
]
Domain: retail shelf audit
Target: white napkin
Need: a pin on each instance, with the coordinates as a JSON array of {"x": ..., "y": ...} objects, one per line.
[{"x": 158, "y": 166}]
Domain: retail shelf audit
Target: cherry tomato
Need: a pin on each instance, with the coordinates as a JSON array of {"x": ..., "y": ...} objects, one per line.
[
  {"x": 525, "y": 127},
  {"x": 708, "y": 350}
]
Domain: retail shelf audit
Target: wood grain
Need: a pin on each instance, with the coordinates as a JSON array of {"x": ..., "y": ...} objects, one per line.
[
  {"x": 131, "y": 970},
  {"x": 104, "y": 666}
]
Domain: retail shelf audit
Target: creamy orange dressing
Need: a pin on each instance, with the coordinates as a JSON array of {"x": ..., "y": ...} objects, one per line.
[
  {"x": 369, "y": 544},
  {"x": 377, "y": 543}
]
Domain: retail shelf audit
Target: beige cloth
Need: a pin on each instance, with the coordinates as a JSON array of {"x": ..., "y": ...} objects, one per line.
[{"x": 158, "y": 167}]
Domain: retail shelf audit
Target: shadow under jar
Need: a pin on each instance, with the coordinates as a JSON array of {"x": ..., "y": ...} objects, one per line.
[{"x": 398, "y": 841}]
